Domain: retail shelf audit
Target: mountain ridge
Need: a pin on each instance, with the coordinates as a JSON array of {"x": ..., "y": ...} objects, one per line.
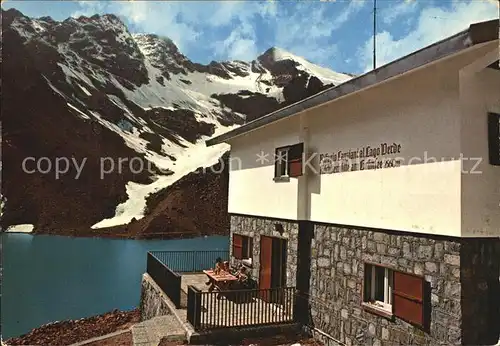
[{"x": 95, "y": 90}]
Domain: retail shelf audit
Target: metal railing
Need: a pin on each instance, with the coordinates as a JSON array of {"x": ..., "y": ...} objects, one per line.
[
  {"x": 168, "y": 280},
  {"x": 237, "y": 308},
  {"x": 190, "y": 261}
]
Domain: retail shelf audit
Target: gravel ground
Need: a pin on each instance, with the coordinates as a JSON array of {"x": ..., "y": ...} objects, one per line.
[
  {"x": 124, "y": 339},
  {"x": 278, "y": 340},
  {"x": 73, "y": 331}
]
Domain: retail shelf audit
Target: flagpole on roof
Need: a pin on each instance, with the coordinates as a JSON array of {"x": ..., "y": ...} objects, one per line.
[{"x": 374, "y": 34}]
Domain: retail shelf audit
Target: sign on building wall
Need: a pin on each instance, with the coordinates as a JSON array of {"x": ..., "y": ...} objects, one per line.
[{"x": 360, "y": 159}]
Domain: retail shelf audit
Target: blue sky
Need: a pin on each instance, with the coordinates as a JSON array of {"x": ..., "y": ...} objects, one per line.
[{"x": 335, "y": 34}]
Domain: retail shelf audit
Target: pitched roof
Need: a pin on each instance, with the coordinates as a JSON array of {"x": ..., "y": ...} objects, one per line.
[{"x": 476, "y": 34}]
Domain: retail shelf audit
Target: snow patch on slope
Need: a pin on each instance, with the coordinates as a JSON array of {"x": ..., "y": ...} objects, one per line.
[
  {"x": 198, "y": 155},
  {"x": 133, "y": 141},
  {"x": 85, "y": 90},
  {"x": 24, "y": 228},
  {"x": 79, "y": 112},
  {"x": 211, "y": 84},
  {"x": 326, "y": 75},
  {"x": 190, "y": 91}
]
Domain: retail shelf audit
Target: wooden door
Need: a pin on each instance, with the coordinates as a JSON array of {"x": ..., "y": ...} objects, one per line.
[
  {"x": 278, "y": 267},
  {"x": 266, "y": 255}
]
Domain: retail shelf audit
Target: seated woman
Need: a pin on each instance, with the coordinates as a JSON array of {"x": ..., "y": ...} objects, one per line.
[
  {"x": 218, "y": 265},
  {"x": 217, "y": 269},
  {"x": 242, "y": 276}
]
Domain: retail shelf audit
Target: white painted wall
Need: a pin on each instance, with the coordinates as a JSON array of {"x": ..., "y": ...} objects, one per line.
[
  {"x": 479, "y": 94},
  {"x": 251, "y": 187},
  {"x": 424, "y": 112},
  {"x": 417, "y": 111}
]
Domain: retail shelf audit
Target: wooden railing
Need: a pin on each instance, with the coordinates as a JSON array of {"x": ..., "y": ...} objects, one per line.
[
  {"x": 168, "y": 280},
  {"x": 238, "y": 308},
  {"x": 190, "y": 261}
]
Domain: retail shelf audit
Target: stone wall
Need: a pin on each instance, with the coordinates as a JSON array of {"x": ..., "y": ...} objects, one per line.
[
  {"x": 337, "y": 271},
  {"x": 153, "y": 300},
  {"x": 254, "y": 227},
  {"x": 480, "y": 291}
]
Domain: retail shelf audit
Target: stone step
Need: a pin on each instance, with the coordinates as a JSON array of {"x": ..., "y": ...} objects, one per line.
[{"x": 151, "y": 332}]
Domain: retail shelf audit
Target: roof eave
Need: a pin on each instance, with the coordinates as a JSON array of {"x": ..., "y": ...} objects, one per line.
[{"x": 476, "y": 34}]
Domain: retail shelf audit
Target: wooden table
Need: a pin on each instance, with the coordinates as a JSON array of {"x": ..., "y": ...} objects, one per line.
[{"x": 222, "y": 280}]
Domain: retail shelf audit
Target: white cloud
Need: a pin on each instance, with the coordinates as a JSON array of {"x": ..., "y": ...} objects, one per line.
[
  {"x": 158, "y": 18},
  {"x": 239, "y": 45},
  {"x": 433, "y": 24},
  {"x": 243, "y": 49},
  {"x": 308, "y": 31},
  {"x": 88, "y": 8},
  {"x": 187, "y": 23},
  {"x": 135, "y": 11},
  {"x": 404, "y": 8},
  {"x": 346, "y": 14},
  {"x": 304, "y": 28}
]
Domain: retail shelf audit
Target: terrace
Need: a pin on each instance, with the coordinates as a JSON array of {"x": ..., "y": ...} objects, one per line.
[{"x": 179, "y": 274}]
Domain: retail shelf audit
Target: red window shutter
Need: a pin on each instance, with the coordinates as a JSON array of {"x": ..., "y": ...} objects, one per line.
[
  {"x": 494, "y": 138},
  {"x": 295, "y": 157},
  {"x": 408, "y": 293},
  {"x": 295, "y": 168},
  {"x": 237, "y": 246}
]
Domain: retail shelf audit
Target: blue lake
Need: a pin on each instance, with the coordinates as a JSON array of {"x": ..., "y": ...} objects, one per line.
[{"x": 50, "y": 278}]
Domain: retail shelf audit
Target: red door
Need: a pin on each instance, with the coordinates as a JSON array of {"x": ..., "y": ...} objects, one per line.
[{"x": 266, "y": 252}]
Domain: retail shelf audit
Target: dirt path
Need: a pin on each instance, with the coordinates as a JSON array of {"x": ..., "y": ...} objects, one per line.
[
  {"x": 124, "y": 339},
  {"x": 278, "y": 340},
  {"x": 73, "y": 331}
]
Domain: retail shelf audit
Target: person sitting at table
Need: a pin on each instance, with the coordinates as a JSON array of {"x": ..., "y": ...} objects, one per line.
[
  {"x": 217, "y": 269},
  {"x": 242, "y": 276},
  {"x": 223, "y": 270}
]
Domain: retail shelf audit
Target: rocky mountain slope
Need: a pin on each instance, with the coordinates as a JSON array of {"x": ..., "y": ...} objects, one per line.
[{"x": 124, "y": 116}]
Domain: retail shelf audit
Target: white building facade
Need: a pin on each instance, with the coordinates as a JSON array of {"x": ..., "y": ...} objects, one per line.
[{"x": 383, "y": 207}]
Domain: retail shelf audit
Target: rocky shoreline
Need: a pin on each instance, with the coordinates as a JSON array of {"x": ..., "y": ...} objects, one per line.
[
  {"x": 73, "y": 331},
  {"x": 115, "y": 233},
  {"x": 69, "y": 332}
]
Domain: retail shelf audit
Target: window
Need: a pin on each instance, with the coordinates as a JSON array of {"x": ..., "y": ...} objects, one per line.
[
  {"x": 282, "y": 162},
  {"x": 378, "y": 288},
  {"x": 494, "y": 138},
  {"x": 242, "y": 246},
  {"x": 288, "y": 161},
  {"x": 391, "y": 293}
]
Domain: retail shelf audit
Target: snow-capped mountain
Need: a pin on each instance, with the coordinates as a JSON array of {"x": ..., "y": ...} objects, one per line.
[{"x": 88, "y": 90}]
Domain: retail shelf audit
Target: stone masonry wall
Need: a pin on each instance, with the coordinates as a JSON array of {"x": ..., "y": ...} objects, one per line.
[
  {"x": 338, "y": 256},
  {"x": 337, "y": 271},
  {"x": 480, "y": 291},
  {"x": 254, "y": 227},
  {"x": 153, "y": 300}
]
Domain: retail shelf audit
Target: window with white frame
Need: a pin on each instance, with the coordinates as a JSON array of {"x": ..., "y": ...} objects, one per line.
[
  {"x": 392, "y": 293},
  {"x": 288, "y": 162},
  {"x": 378, "y": 287},
  {"x": 281, "y": 162}
]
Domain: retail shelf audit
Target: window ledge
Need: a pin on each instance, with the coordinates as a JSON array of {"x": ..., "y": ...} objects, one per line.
[
  {"x": 377, "y": 310},
  {"x": 283, "y": 179}
]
